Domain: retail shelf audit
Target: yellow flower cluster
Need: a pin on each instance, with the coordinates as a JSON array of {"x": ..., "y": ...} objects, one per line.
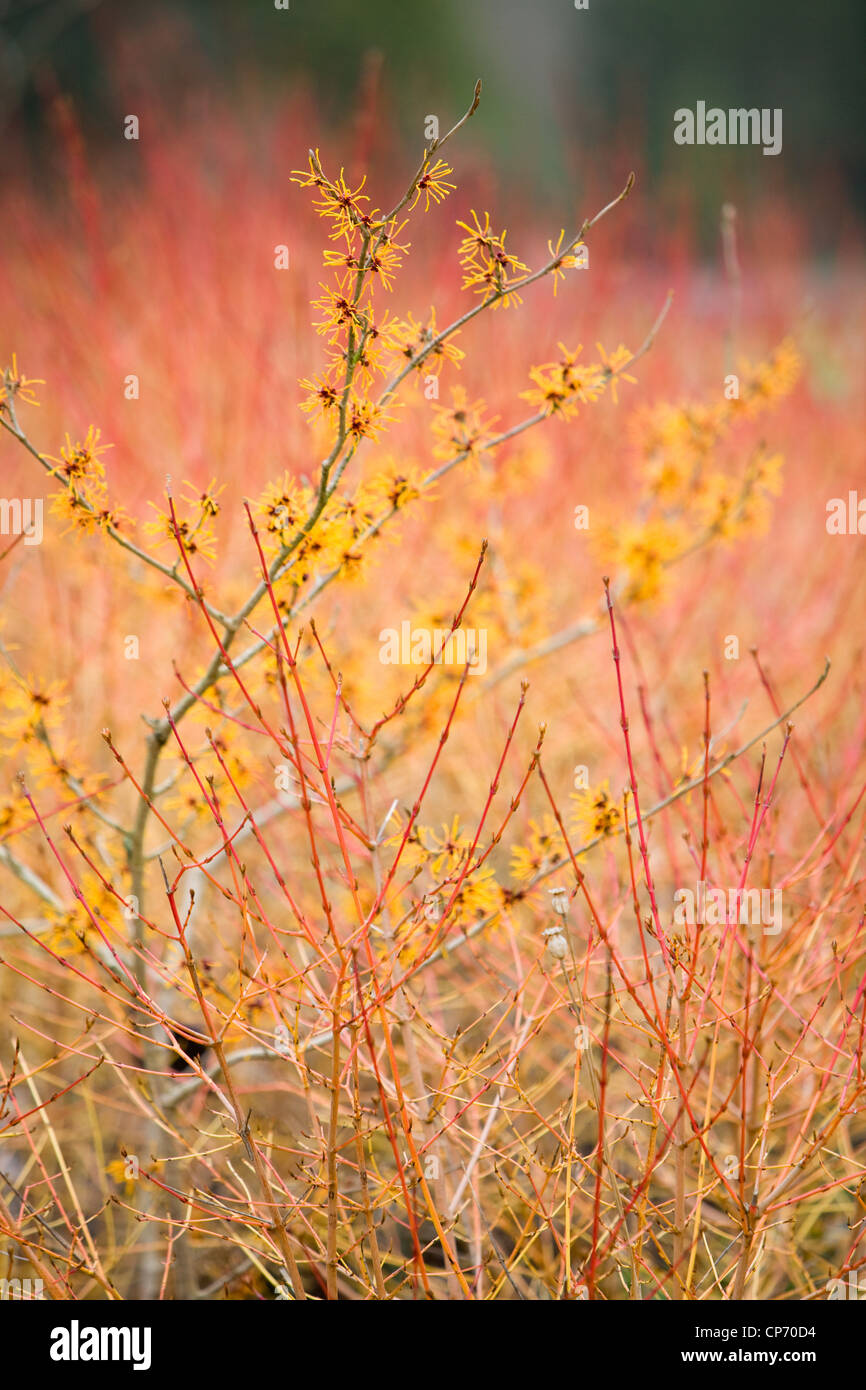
[
  {"x": 488, "y": 268},
  {"x": 83, "y": 500},
  {"x": 409, "y": 339},
  {"x": 644, "y": 550},
  {"x": 596, "y": 813},
  {"x": 765, "y": 383},
  {"x": 194, "y": 532},
  {"x": 14, "y": 813},
  {"x": 445, "y": 857},
  {"x": 71, "y": 926},
  {"x": 560, "y": 387},
  {"x": 30, "y": 707},
  {"x": 361, "y": 343},
  {"x": 461, "y": 428},
  {"x": 545, "y": 849},
  {"x": 688, "y": 500},
  {"x": 333, "y": 539}
]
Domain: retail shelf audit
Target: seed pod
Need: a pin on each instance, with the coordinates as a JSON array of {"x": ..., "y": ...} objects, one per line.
[
  {"x": 559, "y": 900},
  {"x": 556, "y": 943}
]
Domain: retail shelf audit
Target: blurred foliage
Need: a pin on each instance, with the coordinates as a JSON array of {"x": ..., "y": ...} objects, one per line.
[{"x": 558, "y": 81}]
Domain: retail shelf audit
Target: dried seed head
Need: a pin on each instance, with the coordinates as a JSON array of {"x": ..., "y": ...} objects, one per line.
[
  {"x": 559, "y": 900},
  {"x": 556, "y": 942}
]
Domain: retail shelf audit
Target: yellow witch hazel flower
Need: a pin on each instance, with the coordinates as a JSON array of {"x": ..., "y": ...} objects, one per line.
[
  {"x": 562, "y": 260},
  {"x": 729, "y": 506},
  {"x": 120, "y": 1172},
  {"x": 230, "y": 746},
  {"x": 339, "y": 535},
  {"x": 409, "y": 339},
  {"x": 718, "y": 506},
  {"x": 546, "y": 847},
  {"x": 72, "y": 926},
  {"x": 396, "y": 486},
  {"x": 644, "y": 550},
  {"x": 49, "y": 765},
  {"x": 333, "y": 541},
  {"x": 445, "y": 856},
  {"x": 675, "y": 443},
  {"x": 762, "y": 481},
  {"x": 764, "y": 384},
  {"x": 366, "y": 420},
  {"x": 445, "y": 853},
  {"x": 433, "y": 185},
  {"x": 488, "y": 268},
  {"x": 322, "y": 400},
  {"x": 15, "y": 386},
  {"x": 596, "y": 813},
  {"x": 559, "y": 387},
  {"x": 284, "y": 506},
  {"x": 339, "y": 309},
  {"x": 461, "y": 428},
  {"x": 84, "y": 514},
  {"x": 687, "y": 502},
  {"x": 31, "y": 706},
  {"x": 345, "y": 207},
  {"x": 80, "y": 464},
  {"x": 83, "y": 499},
  {"x": 765, "y": 472},
  {"x": 14, "y": 812},
  {"x": 614, "y": 367},
  {"x": 477, "y": 896},
  {"x": 194, "y": 531},
  {"x": 382, "y": 259}
]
